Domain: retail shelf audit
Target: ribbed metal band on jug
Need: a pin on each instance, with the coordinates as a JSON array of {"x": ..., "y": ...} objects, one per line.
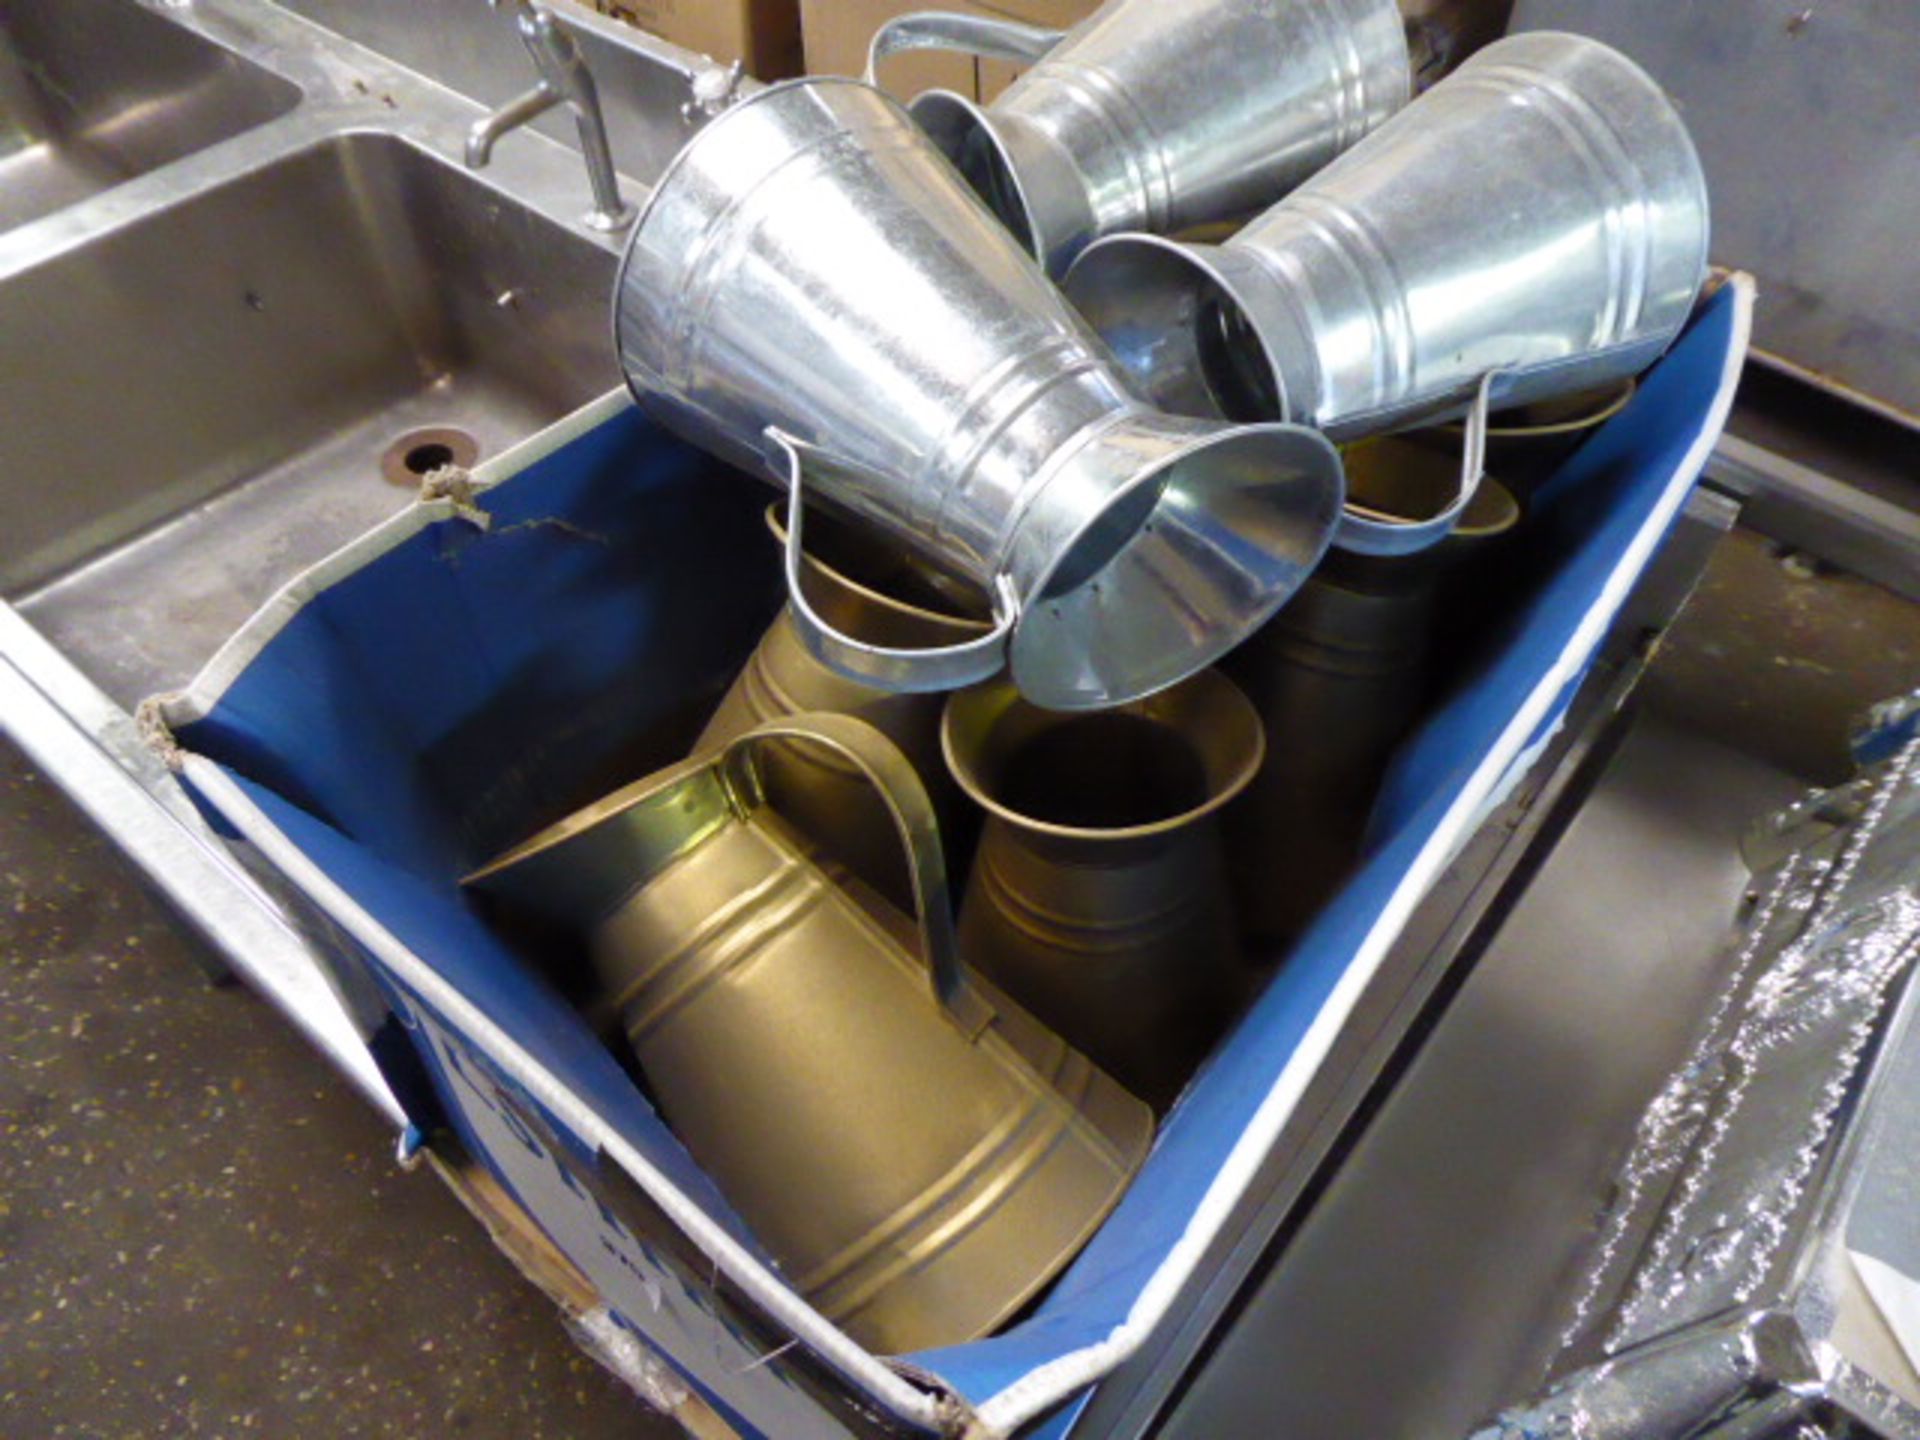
[
  {"x": 1098, "y": 896},
  {"x": 1533, "y": 225},
  {"x": 919, "y": 1155}
]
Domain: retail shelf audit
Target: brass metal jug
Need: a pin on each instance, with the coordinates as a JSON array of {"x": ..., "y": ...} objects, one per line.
[
  {"x": 879, "y": 595},
  {"x": 1340, "y": 677},
  {"x": 918, "y": 1155},
  {"x": 1098, "y": 896}
]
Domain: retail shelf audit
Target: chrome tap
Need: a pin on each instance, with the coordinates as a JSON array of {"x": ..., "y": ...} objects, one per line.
[{"x": 564, "y": 78}]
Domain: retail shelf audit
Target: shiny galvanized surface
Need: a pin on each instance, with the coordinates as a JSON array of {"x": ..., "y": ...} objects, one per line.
[
  {"x": 1539, "y": 216},
  {"x": 1161, "y": 115},
  {"x": 812, "y": 265},
  {"x": 1098, "y": 897},
  {"x": 1805, "y": 120},
  {"x": 827, "y": 800},
  {"x": 919, "y": 1161},
  {"x": 94, "y": 92}
]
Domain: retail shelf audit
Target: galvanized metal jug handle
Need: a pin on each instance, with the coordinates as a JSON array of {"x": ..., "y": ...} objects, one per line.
[
  {"x": 893, "y": 776},
  {"x": 967, "y": 34},
  {"x": 1362, "y": 535},
  {"x": 937, "y": 668}
]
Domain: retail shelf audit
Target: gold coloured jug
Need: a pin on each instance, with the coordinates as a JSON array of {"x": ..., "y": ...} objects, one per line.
[
  {"x": 1343, "y": 673},
  {"x": 878, "y": 595},
  {"x": 1098, "y": 897},
  {"x": 918, "y": 1155}
]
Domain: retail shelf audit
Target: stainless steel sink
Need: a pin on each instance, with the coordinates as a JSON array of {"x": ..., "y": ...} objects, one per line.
[
  {"x": 94, "y": 92},
  {"x": 215, "y": 388},
  {"x": 247, "y": 291}
]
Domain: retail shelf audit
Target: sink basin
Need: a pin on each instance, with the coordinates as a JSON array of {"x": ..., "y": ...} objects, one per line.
[
  {"x": 94, "y": 92},
  {"x": 205, "y": 401}
]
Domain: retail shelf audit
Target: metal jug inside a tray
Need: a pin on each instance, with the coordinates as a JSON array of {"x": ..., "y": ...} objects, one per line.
[
  {"x": 1157, "y": 115},
  {"x": 815, "y": 294},
  {"x": 1534, "y": 225},
  {"x": 1343, "y": 673},
  {"x": 878, "y": 595},
  {"x": 919, "y": 1155},
  {"x": 1099, "y": 894}
]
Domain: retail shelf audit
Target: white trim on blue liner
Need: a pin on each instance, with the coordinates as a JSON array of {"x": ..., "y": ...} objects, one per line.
[{"x": 243, "y": 647}]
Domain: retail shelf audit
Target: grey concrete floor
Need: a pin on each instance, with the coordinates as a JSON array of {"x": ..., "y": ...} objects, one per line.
[{"x": 202, "y": 1231}]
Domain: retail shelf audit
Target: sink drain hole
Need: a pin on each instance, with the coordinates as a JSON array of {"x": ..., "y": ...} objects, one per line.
[
  {"x": 418, "y": 453},
  {"x": 427, "y": 458}
]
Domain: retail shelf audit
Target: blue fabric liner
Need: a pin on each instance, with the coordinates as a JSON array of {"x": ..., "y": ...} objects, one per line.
[
  {"x": 433, "y": 924},
  {"x": 468, "y": 687},
  {"x": 460, "y": 691}
]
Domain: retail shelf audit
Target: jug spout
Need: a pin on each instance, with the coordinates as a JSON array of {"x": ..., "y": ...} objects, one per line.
[
  {"x": 1154, "y": 544},
  {"x": 577, "y": 872},
  {"x": 814, "y": 292}
]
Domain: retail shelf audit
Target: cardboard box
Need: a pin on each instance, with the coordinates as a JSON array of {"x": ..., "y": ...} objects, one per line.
[
  {"x": 764, "y": 35},
  {"x": 837, "y": 33}
]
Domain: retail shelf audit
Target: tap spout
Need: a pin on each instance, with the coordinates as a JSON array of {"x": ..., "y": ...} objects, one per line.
[
  {"x": 564, "y": 80},
  {"x": 521, "y": 110}
]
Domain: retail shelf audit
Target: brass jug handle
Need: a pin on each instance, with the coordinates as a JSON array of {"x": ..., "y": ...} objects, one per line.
[
  {"x": 893, "y": 776},
  {"x": 1361, "y": 534},
  {"x": 965, "y": 34},
  {"x": 919, "y": 671}
]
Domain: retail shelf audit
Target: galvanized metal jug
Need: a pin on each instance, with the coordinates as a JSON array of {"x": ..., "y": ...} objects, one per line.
[
  {"x": 1158, "y": 115},
  {"x": 829, "y": 800},
  {"x": 919, "y": 1155},
  {"x": 1533, "y": 225},
  {"x": 1099, "y": 895},
  {"x": 813, "y": 291},
  {"x": 1342, "y": 673}
]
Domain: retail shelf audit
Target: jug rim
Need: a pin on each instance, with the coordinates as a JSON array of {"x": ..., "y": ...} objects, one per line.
[
  {"x": 1226, "y": 779},
  {"x": 939, "y": 105},
  {"x": 1136, "y": 283}
]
